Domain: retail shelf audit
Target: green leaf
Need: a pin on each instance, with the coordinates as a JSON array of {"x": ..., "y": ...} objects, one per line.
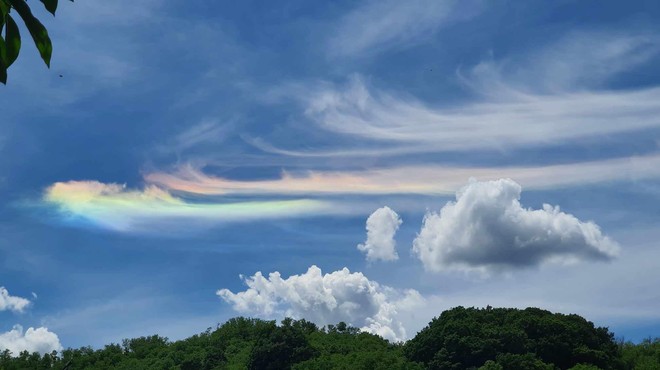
[
  {"x": 4, "y": 9},
  {"x": 3, "y": 52},
  {"x": 51, "y": 5},
  {"x": 3, "y": 66},
  {"x": 37, "y": 30},
  {"x": 12, "y": 41},
  {"x": 3, "y": 74}
]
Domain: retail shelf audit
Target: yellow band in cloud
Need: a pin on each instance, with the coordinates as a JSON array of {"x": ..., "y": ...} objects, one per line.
[{"x": 115, "y": 207}]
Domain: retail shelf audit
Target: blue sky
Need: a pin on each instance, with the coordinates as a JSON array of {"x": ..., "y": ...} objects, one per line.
[{"x": 188, "y": 147}]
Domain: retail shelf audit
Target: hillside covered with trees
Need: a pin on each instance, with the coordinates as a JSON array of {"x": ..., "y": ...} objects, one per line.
[{"x": 460, "y": 338}]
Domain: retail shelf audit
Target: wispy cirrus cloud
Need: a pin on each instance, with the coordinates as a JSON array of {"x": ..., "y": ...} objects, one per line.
[
  {"x": 412, "y": 179},
  {"x": 554, "y": 95},
  {"x": 512, "y": 119},
  {"x": 378, "y": 25},
  {"x": 570, "y": 63}
]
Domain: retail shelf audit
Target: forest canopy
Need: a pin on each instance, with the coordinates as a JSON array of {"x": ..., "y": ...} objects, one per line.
[{"x": 460, "y": 338}]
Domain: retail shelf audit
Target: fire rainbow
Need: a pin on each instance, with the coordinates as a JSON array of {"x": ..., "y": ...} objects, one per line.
[{"x": 115, "y": 207}]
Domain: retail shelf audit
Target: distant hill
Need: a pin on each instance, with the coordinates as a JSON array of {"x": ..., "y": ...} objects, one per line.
[{"x": 460, "y": 338}]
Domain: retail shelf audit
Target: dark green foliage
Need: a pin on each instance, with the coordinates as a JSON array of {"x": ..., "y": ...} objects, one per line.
[
  {"x": 528, "y": 361},
  {"x": 51, "y": 5},
  {"x": 468, "y": 338},
  {"x": 490, "y": 339},
  {"x": 282, "y": 347},
  {"x": 584, "y": 367},
  {"x": 345, "y": 347},
  {"x": 643, "y": 356},
  {"x": 10, "y": 37},
  {"x": 239, "y": 343}
]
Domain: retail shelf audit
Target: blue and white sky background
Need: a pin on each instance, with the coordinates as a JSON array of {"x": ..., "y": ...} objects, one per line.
[{"x": 371, "y": 162}]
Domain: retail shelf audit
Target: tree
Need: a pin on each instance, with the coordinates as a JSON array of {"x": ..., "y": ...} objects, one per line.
[
  {"x": 641, "y": 356},
  {"x": 490, "y": 339},
  {"x": 10, "y": 37},
  {"x": 510, "y": 338}
]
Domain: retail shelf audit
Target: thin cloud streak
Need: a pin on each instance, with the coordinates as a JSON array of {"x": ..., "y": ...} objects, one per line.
[
  {"x": 517, "y": 120},
  {"x": 420, "y": 179},
  {"x": 555, "y": 95},
  {"x": 380, "y": 25}
]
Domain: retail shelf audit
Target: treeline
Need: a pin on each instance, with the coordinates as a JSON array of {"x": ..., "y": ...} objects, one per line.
[{"x": 461, "y": 338}]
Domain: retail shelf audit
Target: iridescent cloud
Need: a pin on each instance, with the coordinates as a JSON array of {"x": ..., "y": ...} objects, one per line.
[
  {"x": 190, "y": 194},
  {"x": 115, "y": 207},
  {"x": 426, "y": 179}
]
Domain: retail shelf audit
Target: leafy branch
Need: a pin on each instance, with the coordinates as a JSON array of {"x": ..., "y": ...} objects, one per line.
[{"x": 10, "y": 37}]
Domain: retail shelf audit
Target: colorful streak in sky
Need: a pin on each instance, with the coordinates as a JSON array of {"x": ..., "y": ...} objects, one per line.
[{"x": 113, "y": 206}]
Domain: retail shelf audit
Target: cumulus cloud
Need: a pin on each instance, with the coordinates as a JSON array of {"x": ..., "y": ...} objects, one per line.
[
  {"x": 326, "y": 299},
  {"x": 12, "y": 303},
  {"x": 32, "y": 340},
  {"x": 487, "y": 228},
  {"x": 381, "y": 227}
]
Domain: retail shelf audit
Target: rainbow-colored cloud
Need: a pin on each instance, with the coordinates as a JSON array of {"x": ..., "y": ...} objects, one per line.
[
  {"x": 428, "y": 179},
  {"x": 190, "y": 194},
  {"x": 115, "y": 207}
]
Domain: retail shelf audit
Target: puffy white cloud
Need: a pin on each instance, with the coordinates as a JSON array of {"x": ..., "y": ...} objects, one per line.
[
  {"x": 326, "y": 299},
  {"x": 381, "y": 227},
  {"x": 32, "y": 340},
  {"x": 12, "y": 303},
  {"x": 487, "y": 228}
]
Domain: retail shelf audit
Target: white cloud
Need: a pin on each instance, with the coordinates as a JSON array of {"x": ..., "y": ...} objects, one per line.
[
  {"x": 381, "y": 227},
  {"x": 205, "y": 135},
  {"x": 507, "y": 119},
  {"x": 326, "y": 299},
  {"x": 32, "y": 340},
  {"x": 613, "y": 294},
  {"x": 378, "y": 25},
  {"x": 570, "y": 63},
  {"x": 557, "y": 94},
  {"x": 411, "y": 179},
  {"x": 487, "y": 228},
  {"x": 12, "y": 303}
]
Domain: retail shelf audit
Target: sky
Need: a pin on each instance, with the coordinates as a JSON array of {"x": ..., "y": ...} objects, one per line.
[{"x": 372, "y": 162}]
